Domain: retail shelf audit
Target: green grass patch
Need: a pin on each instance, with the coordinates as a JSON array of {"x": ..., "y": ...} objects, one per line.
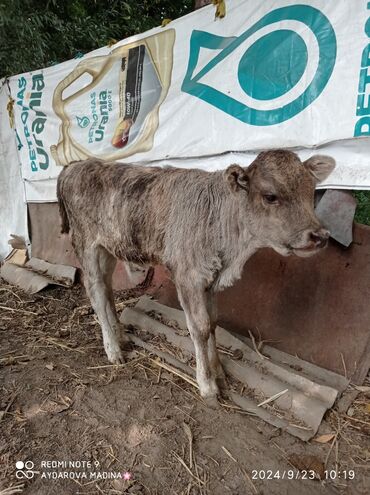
[{"x": 362, "y": 214}]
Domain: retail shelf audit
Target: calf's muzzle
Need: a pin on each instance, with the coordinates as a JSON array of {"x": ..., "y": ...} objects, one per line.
[
  {"x": 320, "y": 238},
  {"x": 316, "y": 239}
]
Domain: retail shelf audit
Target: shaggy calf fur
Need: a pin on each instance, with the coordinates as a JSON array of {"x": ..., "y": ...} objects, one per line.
[{"x": 202, "y": 226}]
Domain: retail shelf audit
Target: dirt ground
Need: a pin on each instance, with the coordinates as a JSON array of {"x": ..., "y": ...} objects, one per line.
[{"x": 138, "y": 429}]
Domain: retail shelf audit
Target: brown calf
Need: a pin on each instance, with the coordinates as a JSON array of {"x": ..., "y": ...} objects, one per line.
[{"x": 202, "y": 226}]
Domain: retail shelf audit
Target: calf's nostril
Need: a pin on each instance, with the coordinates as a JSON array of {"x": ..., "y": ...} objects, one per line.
[
  {"x": 320, "y": 238},
  {"x": 315, "y": 238}
]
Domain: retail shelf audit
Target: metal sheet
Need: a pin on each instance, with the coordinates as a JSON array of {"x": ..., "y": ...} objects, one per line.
[
  {"x": 316, "y": 308},
  {"x": 47, "y": 241},
  {"x": 336, "y": 211}
]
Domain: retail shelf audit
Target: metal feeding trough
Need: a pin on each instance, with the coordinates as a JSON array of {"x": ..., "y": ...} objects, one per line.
[{"x": 281, "y": 389}]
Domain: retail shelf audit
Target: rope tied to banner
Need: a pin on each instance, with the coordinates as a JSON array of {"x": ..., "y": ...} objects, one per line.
[
  {"x": 165, "y": 22},
  {"x": 10, "y": 109},
  {"x": 10, "y": 105},
  {"x": 220, "y": 8}
]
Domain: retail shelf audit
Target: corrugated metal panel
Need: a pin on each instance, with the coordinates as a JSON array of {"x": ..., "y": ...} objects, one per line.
[{"x": 303, "y": 393}]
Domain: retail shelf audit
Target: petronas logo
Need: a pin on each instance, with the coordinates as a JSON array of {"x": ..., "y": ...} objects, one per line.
[
  {"x": 270, "y": 72},
  {"x": 83, "y": 121}
]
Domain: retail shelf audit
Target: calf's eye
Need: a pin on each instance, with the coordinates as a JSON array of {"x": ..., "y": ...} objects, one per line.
[{"x": 271, "y": 199}]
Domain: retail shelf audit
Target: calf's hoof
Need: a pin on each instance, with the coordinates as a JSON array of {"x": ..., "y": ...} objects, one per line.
[
  {"x": 212, "y": 402},
  {"x": 209, "y": 392},
  {"x": 114, "y": 355}
]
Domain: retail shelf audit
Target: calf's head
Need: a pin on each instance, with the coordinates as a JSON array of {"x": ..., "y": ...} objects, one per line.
[{"x": 276, "y": 195}]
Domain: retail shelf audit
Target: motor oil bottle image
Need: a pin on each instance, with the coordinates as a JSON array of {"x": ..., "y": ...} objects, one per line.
[{"x": 109, "y": 105}]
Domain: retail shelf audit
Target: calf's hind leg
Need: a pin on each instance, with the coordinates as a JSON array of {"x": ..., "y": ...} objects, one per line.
[{"x": 98, "y": 267}]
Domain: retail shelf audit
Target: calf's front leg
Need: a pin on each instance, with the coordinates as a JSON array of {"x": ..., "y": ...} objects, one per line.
[
  {"x": 194, "y": 303},
  {"x": 214, "y": 358}
]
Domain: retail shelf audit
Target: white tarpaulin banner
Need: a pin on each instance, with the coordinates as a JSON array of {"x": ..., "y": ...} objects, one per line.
[{"x": 205, "y": 93}]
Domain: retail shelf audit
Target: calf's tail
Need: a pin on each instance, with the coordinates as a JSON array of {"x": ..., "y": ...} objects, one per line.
[{"x": 62, "y": 208}]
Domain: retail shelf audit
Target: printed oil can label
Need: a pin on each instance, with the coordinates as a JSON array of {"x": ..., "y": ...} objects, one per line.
[{"x": 109, "y": 105}]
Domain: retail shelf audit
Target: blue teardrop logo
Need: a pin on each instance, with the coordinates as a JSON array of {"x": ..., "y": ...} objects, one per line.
[
  {"x": 270, "y": 67},
  {"x": 83, "y": 121}
]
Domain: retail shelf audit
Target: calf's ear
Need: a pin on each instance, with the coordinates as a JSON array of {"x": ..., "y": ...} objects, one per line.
[
  {"x": 320, "y": 166},
  {"x": 237, "y": 178}
]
